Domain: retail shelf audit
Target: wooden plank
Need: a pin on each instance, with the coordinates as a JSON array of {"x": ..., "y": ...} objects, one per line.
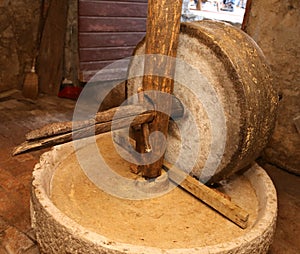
[
  {"x": 118, "y": 39},
  {"x": 137, "y": 1},
  {"x": 93, "y": 76},
  {"x": 162, "y": 35},
  {"x": 210, "y": 197},
  {"x": 112, "y": 9},
  {"x": 111, "y": 24},
  {"x": 50, "y": 59},
  {"x": 108, "y": 74},
  {"x": 98, "y": 54},
  {"x": 94, "y": 65}
]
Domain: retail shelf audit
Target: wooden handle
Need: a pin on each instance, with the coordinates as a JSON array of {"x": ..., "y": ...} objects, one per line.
[{"x": 61, "y": 132}]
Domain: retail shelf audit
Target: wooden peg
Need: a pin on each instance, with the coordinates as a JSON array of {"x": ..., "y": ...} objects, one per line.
[{"x": 144, "y": 126}]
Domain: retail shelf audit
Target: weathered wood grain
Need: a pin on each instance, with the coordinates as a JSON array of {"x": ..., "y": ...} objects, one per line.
[
  {"x": 100, "y": 54},
  {"x": 54, "y": 129},
  {"x": 210, "y": 197},
  {"x": 62, "y": 132},
  {"x": 111, "y": 24},
  {"x": 108, "y": 31},
  {"x": 112, "y": 9},
  {"x": 81, "y": 133},
  {"x": 162, "y": 34},
  {"x": 111, "y": 39},
  {"x": 50, "y": 59}
]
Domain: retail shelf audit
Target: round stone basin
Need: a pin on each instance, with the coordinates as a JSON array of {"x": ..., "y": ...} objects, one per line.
[{"x": 70, "y": 214}]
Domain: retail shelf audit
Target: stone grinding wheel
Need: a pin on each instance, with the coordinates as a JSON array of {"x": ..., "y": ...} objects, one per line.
[{"x": 235, "y": 67}]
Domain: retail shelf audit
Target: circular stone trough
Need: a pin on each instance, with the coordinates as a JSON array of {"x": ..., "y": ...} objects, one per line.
[{"x": 71, "y": 215}]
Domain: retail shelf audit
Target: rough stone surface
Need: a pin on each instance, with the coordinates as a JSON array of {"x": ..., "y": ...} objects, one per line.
[
  {"x": 224, "y": 81},
  {"x": 19, "y": 24},
  {"x": 56, "y": 233},
  {"x": 278, "y": 37},
  {"x": 147, "y": 203},
  {"x": 18, "y": 32}
]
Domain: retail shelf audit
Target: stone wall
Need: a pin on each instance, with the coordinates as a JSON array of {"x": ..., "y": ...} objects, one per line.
[
  {"x": 19, "y": 25},
  {"x": 18, "y": 31},
  {"x": 275, "y": 26}
]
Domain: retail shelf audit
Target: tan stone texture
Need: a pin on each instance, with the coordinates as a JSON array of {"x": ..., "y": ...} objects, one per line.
[
  {"x": 62, "y": 231},
  {"x": 240, "y": 81},
  {"x": 275, "y": 26}
]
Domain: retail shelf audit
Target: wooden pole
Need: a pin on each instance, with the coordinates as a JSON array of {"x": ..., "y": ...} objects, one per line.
[
  {"x": 163, "y": 25},
  {"x": 199, "y": 5},
  {"x": 247, "y": 15},
  {"x": 62, "y": 132},
  {"x": 87, "y": 131}
]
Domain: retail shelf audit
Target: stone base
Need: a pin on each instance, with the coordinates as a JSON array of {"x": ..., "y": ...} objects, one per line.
[{"x": 58, "y": 233}]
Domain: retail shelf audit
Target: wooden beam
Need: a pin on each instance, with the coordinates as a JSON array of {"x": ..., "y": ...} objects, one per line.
[
  {"x": 210, "y": 197},
  {"x": 51, "y": 52},
  {"x": 247, "y": 15},
  {"x": 62, "y": 132},
  {"x": 82, "y": 133},
  {"x": 162, "y": 34},
  {"x": 54, "y": 129}
]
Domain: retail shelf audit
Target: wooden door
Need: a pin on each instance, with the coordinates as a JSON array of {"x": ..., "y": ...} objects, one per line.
[{"x": 108, "y": 31}]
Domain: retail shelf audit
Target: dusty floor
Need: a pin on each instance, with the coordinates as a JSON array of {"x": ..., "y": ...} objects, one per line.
[{"x": 19, "y": 115}]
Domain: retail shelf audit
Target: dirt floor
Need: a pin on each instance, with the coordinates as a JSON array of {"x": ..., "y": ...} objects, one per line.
[{"x": 19, "y": 115}]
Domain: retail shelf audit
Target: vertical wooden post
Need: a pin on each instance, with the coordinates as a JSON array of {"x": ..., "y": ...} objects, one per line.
[
  {"x": 163, "y": 25},
  {"x": 50, "y": 60},
  {"x": 246, "y": 16},
  {"x": 199, "y": 5}
]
